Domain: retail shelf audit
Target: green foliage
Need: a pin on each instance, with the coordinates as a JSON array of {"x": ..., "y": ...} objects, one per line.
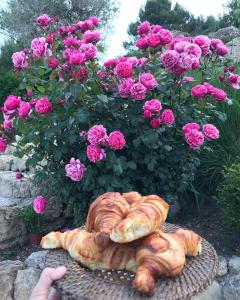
[
  {"x": 31, "y": 220},
  {"x": 232, "y": 17},
  {"x": 229, "y": 196}
]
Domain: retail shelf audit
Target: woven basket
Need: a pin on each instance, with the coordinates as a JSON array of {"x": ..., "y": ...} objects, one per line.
[{"x": 83, "y": 284}]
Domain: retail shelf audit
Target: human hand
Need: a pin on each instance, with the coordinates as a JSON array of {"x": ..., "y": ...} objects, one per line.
[{"x": 41, "y": 290}]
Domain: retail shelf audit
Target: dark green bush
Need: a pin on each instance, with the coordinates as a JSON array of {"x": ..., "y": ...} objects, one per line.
[{"x": 229, "y": 197}]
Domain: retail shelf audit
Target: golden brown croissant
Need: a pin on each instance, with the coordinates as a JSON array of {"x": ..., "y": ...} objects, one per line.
[
  {"x": 82, "y": 247},
  {"x": 145, "y": 216},
  {"x": 131, "y": 197},
  {"x": 163, "y": 254}
]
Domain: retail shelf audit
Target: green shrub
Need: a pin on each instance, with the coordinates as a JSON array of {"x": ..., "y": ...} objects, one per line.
[{"x": 229, "y": 197}]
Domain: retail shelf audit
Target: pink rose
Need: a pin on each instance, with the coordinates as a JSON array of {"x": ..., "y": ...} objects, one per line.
[
  {"x": 169, "y": 59},
  {"x": 199, "y": 91},
  {"x": 43, "y": 106},
  {"x": 233, "y": 81},
  {"x": 24, "y": 109},
  {"x": 72, "y": 29},
  {"x": 190, "y": 126},
  {"x": 3, "y": 145},
  {"x": 219, "y": 94},
  {"x": 214, "y": 43},
  {"x": 94, "y": 20},
  {"x": 125, "y": 87},
  {"x": 39, "y": 204},
  {"x": 180, "y": 46},
  {"x": 53, "y": 63},
  {"x": 33, "y": 102},
  {"x": 92, "y": 36},
  {"x": 194, "y": 138},
  {"x": 95, "y": 153},
  {"x": 148, "y": 80},
  {"x": 12, "y": 102},
  {"x": 133, "y": 60},
  {"x": 210, "y": 88},
  {"x": 142, "y": 43},
  {"x": 154, "y": 40},
  {"x": 138, "y": 91},
  {"x": 110, "y": 63},
  {"x": 204, "y": 43},
  {"x": 155, "y": 123},
  {"x": 156, "y": 28},
  {"x": 147, "y": 114},
  {"x": 222, "y": 50},
  {"x": 20, "y": 60},
  {"x": 97, "y": 135},
  {"x": 187, "y": 79},
  {"x": 210, "y": 132},
  {"x": 124, "y": 70},
  {"x": 19, "y": 175},
  {"x": 144, "y": 28},
  {"x": 39, "y": 47},
  {"x": 75, "y": 169},
  {"x": 70, "y": 42},
  {"x": 89, "y": 50},
  {"x": 153, "y": 106},
  {"x": 116, "y": 140},
  {"x": 8, "y": 124},
  {"x": 186, "y": 61},
  {"x": 29, "y": 93},
  {"x": 165, "y": 36},
  {"x": 167, "y": 117},
  {"x": 77, "y": 58},
  {"x": 43, "y": 20},
  {"x": 193, "y": 49},
  {"x": 232, "y": 68}
]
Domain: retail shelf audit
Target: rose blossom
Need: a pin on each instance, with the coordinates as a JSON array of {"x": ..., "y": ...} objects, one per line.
[
  {"x": 138, "y": 91},
  {"x": 188, "y": 79},
  {"x": 194, "y": 138},
  {"x": 94, "y": 20},
  {"x": 199, "y": 91},
  {"x": 116, "y": 140},
  {"x": 153, "y": 106},
  {"x": 232, "y": 68},
  {"x": 210, "y": 132},
  {"x": 77, "y": 58},
  {"x": 43, "y": 20},
  {"x": 19, "y": 60},
  {"x": 70, "y": 42},
  {"x": 190, "y": 126},
  {"x": 147, "y": 114},
  {"x": 186, "y": 61},
  {"x": 154, "y": 40},
  {"x": 110, "y": 63},
  {"x": 219, "y": 94},
  {"x": 221, "y": 77},
  {"x": 133, "y": 60},
  {"x": 29, "y": 93},
  {"x": 214, "y": 43},
  {"x": 170, "y": 58},
  {"x": 33, "y": 102},
  {"x": 39, "y": 47},
  {"x": 12, "y": 102},
  {"x": 144, "y": 28},
  {"x": 19, "y": 175},
  {"x": 234, "y": 81},
  {"x": 75, "y": 169},
  {"x": 155, "y": 123},
  {"x": 148, "y": 80},
  {"x": 142, "y": 43},
  {"x": 124, "y": 69},
  {"x": 3, "y": 145},
  {"x": 222, "y": 50},
  {"x": 193, "y": 49},
  {"x": 165, "y": 36},
  {"x": 97, "y": 134},
  {"x": 125, "y": 87},
  {"x": 24, "y": 109},
  {"x": 8, "y": 124},
  {"x": 53, "y": 63},
  {"x": 89, "y": 50},
  {"x": 43, "y": 106},
  {"x": 95, "y": 153},
  {"x": 92, "y": 36},
  {"x": 167, "y": 117},
  {"x": 204, "y": 43},
  {"x": 179, "y": 46},
  {"x": 39, "y": 204},
  {"x": 156, "y": 28},
  {"x": 210, "y": 88}
]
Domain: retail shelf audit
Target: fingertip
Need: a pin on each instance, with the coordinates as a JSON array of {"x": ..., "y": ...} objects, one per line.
[{"x": 62, "y": 269}]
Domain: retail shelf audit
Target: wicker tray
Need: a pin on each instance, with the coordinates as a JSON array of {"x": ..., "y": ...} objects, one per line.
[{"x": 83, "y": 284}]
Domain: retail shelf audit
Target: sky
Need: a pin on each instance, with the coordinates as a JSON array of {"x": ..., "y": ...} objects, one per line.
[{"x": 129, "y": 10}]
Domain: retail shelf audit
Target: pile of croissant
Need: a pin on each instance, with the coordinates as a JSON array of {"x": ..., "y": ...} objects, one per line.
[{"x": 124, "y": 232}]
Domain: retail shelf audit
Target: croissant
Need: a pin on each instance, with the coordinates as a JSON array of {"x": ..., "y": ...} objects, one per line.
[
  {"x": 145, "y": 216},
  {"x": 163, "y": 254},
  {"x": 82, "y": 247}
]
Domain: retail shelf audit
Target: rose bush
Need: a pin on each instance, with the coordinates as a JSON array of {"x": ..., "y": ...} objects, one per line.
[{"x": 131, "y": 124}]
